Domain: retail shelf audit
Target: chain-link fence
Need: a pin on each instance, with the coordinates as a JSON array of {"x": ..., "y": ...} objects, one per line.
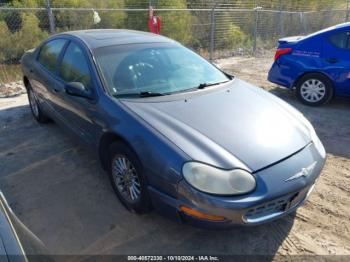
[{"x": 215, "y": 29}]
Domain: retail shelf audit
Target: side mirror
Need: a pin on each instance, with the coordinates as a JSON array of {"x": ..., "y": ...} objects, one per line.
[{"x": 78, "y": 89}]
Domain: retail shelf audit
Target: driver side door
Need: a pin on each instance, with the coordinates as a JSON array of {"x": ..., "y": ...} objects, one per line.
[{"x": 78, "y": 112}]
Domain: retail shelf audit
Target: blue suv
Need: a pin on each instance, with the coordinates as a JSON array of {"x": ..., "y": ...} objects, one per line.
[{"x": 317, "y": 65}]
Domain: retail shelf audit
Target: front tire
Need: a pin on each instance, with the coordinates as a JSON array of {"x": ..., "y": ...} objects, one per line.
[
  {"x": 34, "y": 105},
  {"x": 314, "y": 89},
  {"x": 128, "y": 181}
]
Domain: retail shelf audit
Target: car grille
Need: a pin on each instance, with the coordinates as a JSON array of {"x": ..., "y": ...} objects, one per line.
[{"x": 275, "y": 206}]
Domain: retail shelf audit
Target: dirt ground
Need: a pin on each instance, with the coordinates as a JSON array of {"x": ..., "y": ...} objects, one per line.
[{"x": 58, "y": 190}]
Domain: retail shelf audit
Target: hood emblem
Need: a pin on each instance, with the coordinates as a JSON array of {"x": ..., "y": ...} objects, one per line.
[{"x": 305, "y": 172}]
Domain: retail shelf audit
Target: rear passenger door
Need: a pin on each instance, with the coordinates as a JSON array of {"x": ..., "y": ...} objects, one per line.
[{"x": 337, "y": 60}]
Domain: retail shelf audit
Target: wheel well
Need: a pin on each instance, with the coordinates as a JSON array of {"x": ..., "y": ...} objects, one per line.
[
  {"x": 312, "y": 72},
  {"x": 26, "y": 82},
  {"x": 103, "y": 149}
]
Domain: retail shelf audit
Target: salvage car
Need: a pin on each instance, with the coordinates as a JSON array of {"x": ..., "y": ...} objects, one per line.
[
  {"x": 17, "y": 242},
  {"x": 317, "y": 66},
  {"x": 174, "y": 132}
]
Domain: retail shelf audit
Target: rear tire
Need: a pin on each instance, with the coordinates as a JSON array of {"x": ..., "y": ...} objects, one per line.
[
  {"x": 127, "y": 179},
  {"x": 34, "y": 104},
  {"x": 314, "y": 89}
]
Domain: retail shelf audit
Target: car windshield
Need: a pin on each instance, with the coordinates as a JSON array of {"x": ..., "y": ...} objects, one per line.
[{"x": 141, "y": 70}]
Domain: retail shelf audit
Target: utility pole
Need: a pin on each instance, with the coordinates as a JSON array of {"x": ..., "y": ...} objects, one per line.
[{"x": 280, "y": 22}]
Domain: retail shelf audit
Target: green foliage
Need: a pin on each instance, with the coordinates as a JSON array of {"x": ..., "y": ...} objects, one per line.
[
  {"x": 136, "y": 20},
  {"x": 5, "y": 40},
  {"x": 110, "y": 19},
  {"x": 13, "y": 45},
  {"x": 67, "y": 20},
  {"x": 177, "y": 26},
  {"x": 27, "y": 3},
  {"x": 235, "y": 38},
  {"x": 30, "y": 34}
]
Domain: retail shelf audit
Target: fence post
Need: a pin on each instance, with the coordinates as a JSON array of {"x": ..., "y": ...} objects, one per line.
[
  {"x": 256, "y": 22},
  {"x": 302, "y": 22},
  {"x": 50, "y": 16},
  {"x": 280, "y": 18},
  {"x": 212, "y": 32}
]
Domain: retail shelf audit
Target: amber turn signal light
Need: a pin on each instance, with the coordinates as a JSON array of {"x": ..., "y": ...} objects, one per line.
[{"x": 200, "y": 215}]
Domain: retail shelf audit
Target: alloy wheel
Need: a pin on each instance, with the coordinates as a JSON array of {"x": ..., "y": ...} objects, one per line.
[
  {"x": 126, "y": 179},
  {"x": 33, "y": 102}
]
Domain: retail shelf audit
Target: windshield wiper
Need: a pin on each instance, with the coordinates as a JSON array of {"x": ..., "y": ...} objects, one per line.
[
  {"x": 154, "y": 94},
  {"x": 139, "y": 94},
  {"x": 200, "y": 86},
  {"x": 150, "y": 94},
  {"x": 204, "y": 85}
]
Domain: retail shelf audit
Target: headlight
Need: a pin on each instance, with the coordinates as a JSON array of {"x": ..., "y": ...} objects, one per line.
[{"x": 217, "y": 181}]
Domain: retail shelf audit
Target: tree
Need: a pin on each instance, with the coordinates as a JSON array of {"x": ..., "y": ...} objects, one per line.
[
  {"x": 5, "y": 41},
  {"x": 235, "y": 38},
  {"x": 13, "y": 45},
  {"x": 176, "y": 24},
  {"x": 111, "y": 18}
]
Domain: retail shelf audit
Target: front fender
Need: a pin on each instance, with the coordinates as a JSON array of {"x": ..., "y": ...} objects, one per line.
[{"x": 161, "y": 160}]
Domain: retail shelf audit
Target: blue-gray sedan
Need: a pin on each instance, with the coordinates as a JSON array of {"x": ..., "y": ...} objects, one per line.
[{"x": 174, "y": 132}]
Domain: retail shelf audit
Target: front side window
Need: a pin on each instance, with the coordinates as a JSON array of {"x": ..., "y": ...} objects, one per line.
[
  {"x": 340, "y": 40},
  {"x": 154, "y": 68},
  {"x": 74, "y": 66},
  {"x": 49, "y": 54}
]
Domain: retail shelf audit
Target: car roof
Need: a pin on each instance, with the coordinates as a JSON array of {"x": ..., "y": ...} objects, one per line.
[
  {"x": 96, "y": 38},
  {"x": 328, "y": 29}
]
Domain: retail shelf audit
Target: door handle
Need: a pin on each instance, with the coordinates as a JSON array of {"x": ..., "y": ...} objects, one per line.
[{"x": 332, "y": 60}]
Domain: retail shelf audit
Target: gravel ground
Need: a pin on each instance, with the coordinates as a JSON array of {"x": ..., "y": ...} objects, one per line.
[
  {"x": 58, "y": 190},
  {"x": 12, "y": 89}
]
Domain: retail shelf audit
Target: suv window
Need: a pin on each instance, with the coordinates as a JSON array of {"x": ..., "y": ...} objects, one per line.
[
  {"x": 341, "y": 40},
  {"x": 49, "y": 53},
  {"x": 74, "y": 66}
]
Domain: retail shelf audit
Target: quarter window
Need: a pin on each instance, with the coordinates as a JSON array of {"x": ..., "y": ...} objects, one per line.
[
  {"x": 341, "y": 40},
  {"x": 49, "y": 53},
  {"x": 74, "y": 67}
]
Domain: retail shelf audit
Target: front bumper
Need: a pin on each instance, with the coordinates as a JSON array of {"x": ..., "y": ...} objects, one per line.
[{"x": 273, "y": 198}]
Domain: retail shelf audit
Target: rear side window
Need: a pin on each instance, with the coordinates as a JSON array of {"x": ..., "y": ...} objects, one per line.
[
  {"x": 49, "y": 53},
  {"x": 74, "y": 67},
  {"x": 340, "y": 40}
]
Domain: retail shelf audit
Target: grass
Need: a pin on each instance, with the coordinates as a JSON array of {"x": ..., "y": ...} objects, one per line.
[{"x": 10, "y": 73}]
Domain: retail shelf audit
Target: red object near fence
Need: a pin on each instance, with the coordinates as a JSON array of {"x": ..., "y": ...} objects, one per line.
[{"x": 154, "y": 22}]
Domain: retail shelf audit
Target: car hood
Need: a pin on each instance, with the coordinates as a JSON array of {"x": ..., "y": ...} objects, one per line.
[{"x": 235, "y": 125}]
